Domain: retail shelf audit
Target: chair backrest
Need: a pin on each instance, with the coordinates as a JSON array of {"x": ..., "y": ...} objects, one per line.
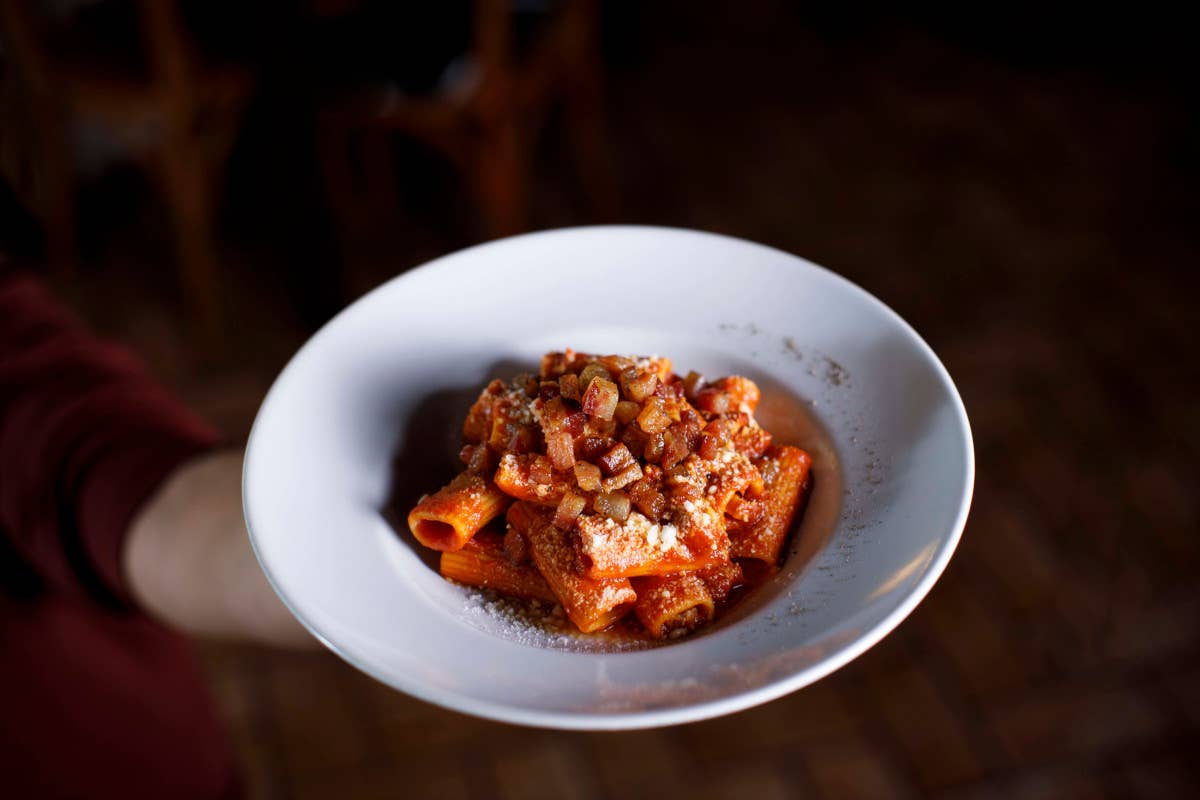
[
  {"x": 173, "y": 61},
  {"x": 25, "y": 30},
  {"x": 24, "y": 47}
]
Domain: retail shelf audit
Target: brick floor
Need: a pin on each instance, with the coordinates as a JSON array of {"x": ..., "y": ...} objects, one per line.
[{"x": 1034, "y": 228}]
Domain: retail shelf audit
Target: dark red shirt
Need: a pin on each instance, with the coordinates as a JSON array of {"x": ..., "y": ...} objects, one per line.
[{"x": 96, "y": 699}]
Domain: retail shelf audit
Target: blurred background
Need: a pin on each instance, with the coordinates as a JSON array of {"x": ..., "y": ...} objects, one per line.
[{"x": 209, "y": 181}]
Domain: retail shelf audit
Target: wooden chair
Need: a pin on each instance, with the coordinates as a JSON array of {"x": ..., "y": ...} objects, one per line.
[
  {"x": 178, "y": 121},
  {"x": 486, "y": 126}
]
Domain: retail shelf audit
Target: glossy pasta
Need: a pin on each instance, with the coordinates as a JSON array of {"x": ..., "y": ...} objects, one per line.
[
  {"x": 786, "y": 479},
  {"x": 626, "y": 491},
  {"x": 483, "y": 561},
  {"x": 591, "y": 603},
  {"x": 448, "y": 518},
  {"x": 673, "y": 604}
]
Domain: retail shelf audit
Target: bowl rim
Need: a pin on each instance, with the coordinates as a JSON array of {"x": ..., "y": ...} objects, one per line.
[{"x": 690, "y": 712}]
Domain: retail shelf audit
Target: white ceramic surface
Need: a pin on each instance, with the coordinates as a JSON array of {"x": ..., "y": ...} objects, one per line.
[{"x": 367, "y": 414}]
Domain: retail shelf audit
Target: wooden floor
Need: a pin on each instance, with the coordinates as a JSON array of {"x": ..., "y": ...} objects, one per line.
[{"x": 1039, "y": 232}]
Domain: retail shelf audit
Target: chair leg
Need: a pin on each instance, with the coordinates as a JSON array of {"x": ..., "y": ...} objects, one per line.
[
  {"x": 333, "y": 148},
  {"x": 589, "y": 146},
  {"x": 50, "y": 191},
  {"x": 190, "y": 195},
  {"x": 501, "y": 179},
  {"x": 584, "y": 108},
  {"x": 379, "y": 172}
]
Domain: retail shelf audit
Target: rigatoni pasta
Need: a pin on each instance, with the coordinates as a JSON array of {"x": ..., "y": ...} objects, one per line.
[
  {"x": 786, "y": 479},
  {"x": 483, "y": 561},
  {"x": 673, "y": 604},
  {"x": 591, "y": 603},
  {"x": 631, "y": 493},
  {"x": 448, "y": 518}
]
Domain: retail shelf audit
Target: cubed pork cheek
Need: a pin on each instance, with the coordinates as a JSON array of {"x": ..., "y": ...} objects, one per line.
[
  {"x": 587, "y": 476},
  {"x": 569, "y": 508},
  {"x": 516, "y": 546},
  {"x": 647, "y": 495},
  {"x": 560, "y": 447},
  {"x": 600, "y": 399},
  {"x": 675, "y": 447},
  {"x": 653, "y": 451},
  {"x": 654, "y": 417},
  {"x": 635, "y": 439},
  {"x": 626, "y": 411},
  {"x": 713, "y": 401},
  {"x": 590, "y": 373},
  {"x": 592, "y": 447},
  {"x": 637, "y": 386},
  {"x": 568, "y": 387},
  {"x": 622, "y": 479},
  {"x": 479, "y": 459},
  {"x": 614, "y": 505},
  {"x": 743, "y": 392},
  {"x": 616, "y": 459},
  {"x": 541, "y": 471}
]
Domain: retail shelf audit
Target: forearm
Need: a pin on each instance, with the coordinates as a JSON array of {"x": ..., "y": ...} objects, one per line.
[
  {"x": 109, "y": 487},
  {"x": 188, "y": 559},
  {"x": 86, "y": 436}
]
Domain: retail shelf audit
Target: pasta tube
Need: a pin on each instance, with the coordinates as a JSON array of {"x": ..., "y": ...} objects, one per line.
[{"x": 448, "y": 518}]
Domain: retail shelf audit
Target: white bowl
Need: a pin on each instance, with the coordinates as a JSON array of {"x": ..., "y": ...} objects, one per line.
[{"x": 366, "y": 418}]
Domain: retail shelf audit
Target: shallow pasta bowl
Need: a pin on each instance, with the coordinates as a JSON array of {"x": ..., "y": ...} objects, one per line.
[{"x": 366, "y": 418}]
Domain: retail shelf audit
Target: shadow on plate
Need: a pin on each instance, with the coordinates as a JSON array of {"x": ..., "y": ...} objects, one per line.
[{"x": 426, "y": 458}]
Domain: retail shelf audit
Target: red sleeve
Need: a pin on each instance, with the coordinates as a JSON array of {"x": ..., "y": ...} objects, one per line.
[{"x": 85, "y": 437}]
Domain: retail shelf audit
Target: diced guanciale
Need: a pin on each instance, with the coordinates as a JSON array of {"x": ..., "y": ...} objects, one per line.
[
  {"x": 626, "y": 411},
  {"x": 743, "y": 392},
  {"x": 587, "y": 476},
  {"x": 591, "y": 372},
  {"x": 616, "y": 459},
  {"x": 654, "y": 417},
  {"x": 614, "y": 505},
  {"x": 570, "y": 507},
  {"x": 561, "y": 449},
  {"x": 713, "y": 400},
  {"x": 568, "y": 386},
  {"x": 622, "y": 479},
  {"x": 600, "y": 399},
  {"x": 637, "y": 386},
  {"x": 515, "y": 478}
]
